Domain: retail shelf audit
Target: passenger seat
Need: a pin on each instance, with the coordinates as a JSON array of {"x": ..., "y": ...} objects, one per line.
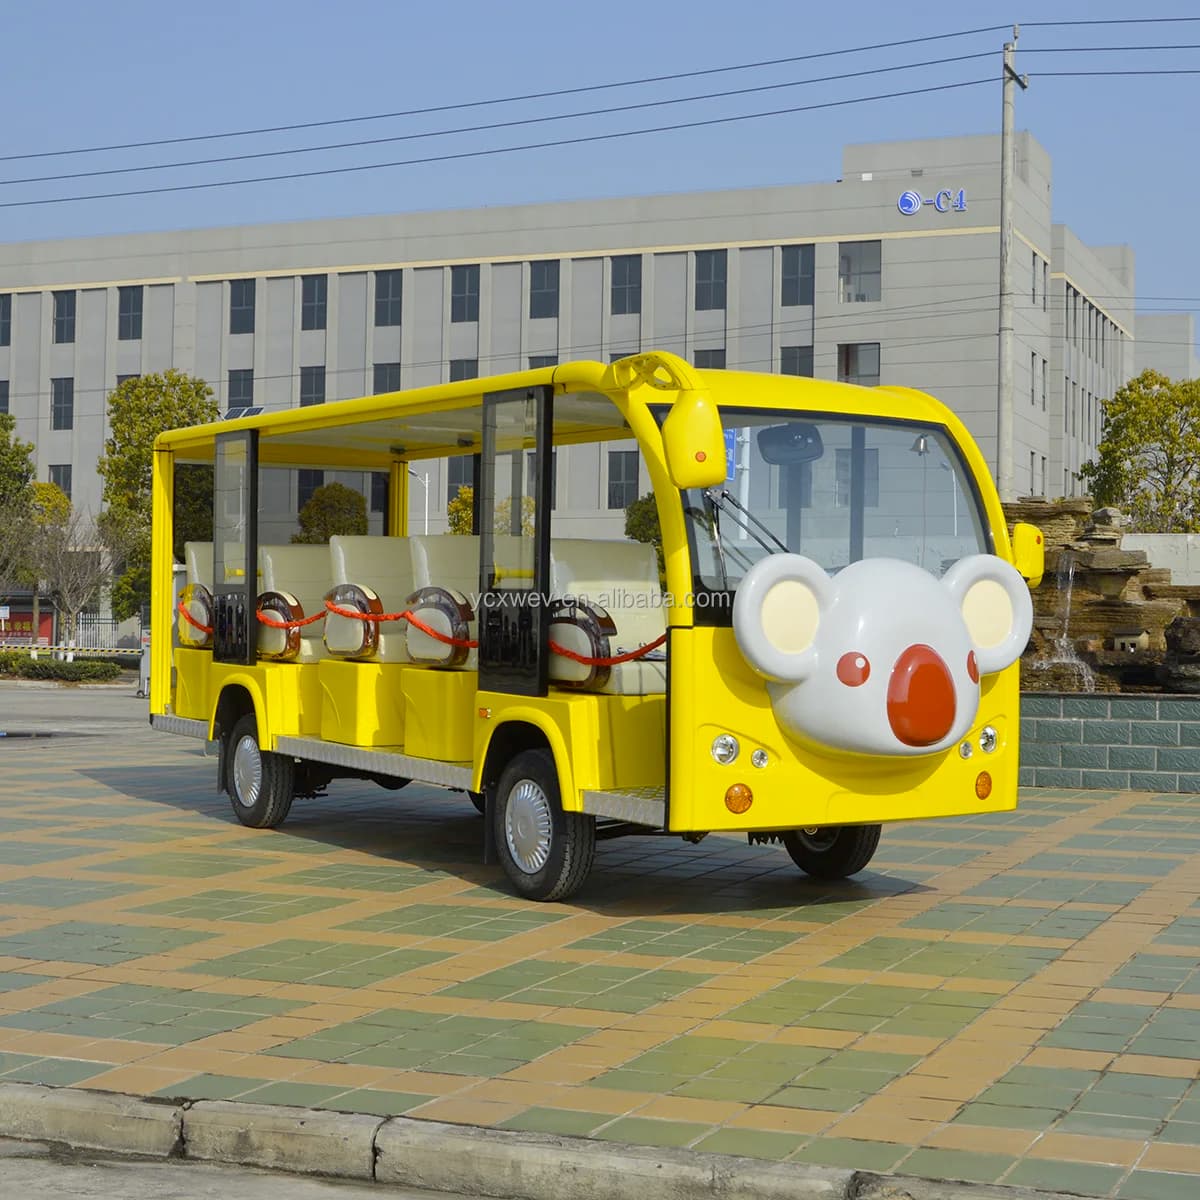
[
  {"x": 293, "y": 573},
  {"x": 371, "y": 574}
]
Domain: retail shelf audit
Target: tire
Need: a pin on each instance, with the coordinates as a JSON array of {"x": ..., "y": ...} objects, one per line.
[
  {"x": 547, "y": 853},
  {"x": 833, "y": 852},
  {"x": 260, "y": 784}
]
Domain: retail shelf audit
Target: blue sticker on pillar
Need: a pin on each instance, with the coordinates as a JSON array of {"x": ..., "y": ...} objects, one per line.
[{"x": 730, "y": 454}]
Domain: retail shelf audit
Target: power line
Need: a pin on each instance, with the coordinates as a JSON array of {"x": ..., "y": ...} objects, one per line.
[
  {"x": 1148, "y": 71},
  {"x": 497, "y": 150},
  {"x": 558, "y": 92},
  {"x": 1108, "y": 21},
  {"x": 495, "y": 125}
]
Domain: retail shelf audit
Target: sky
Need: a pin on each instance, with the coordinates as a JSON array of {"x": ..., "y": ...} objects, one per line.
[{"x": 80, "y": 74}]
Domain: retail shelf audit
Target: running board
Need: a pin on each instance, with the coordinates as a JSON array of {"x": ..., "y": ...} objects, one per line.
[
  {"x": 639, "y": 806},
  {"x": 380, "y": 762}
]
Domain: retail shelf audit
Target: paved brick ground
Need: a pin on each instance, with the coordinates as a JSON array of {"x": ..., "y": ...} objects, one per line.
[{"x": 1004, "y": 999}]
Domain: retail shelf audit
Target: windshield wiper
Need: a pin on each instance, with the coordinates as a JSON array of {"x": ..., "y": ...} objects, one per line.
[{"x": 719, "y": 497}]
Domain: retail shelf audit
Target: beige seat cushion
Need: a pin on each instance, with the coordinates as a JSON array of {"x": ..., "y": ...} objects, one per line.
[
  {"x": 383, "y": 564},
  {"x": 303, "y": 572},
  {"x": 198, "y": 558},
  {"x": 621, "y": 578},
  {"x": 449, "y": 561}
]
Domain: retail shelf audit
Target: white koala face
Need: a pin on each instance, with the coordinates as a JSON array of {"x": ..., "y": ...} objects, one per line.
[{"x": 883, "y": 658}]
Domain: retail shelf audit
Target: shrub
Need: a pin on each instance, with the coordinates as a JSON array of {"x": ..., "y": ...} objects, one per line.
[{"x": 65, "y": 672}]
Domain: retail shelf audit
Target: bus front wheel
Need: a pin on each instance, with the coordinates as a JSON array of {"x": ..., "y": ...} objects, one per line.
[
  {"x": 832, "y": 852},
  {"x": 547, "y": 853},
  {"x": 260, "y": 784}
]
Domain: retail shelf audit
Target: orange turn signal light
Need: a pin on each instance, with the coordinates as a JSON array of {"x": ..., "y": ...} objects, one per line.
[
  {"x": 738, "y": 798},
  {"x": 983, "y": 785}
]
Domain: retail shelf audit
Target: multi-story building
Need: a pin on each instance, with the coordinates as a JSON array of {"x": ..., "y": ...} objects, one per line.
[
  {"x": 889, "y": 274},
  {"x": 1166, "y": 343}
]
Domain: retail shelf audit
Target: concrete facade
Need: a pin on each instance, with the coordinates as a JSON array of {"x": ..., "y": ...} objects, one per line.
[
  {"x": 828, "y": 279},
  {"x": 1166, "y": 342}
]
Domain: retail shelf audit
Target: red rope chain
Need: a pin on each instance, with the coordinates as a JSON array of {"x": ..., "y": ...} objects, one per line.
[
  {"x": 187, "y": 616},
  {"x": 470, "y": 643},
  {"x": 265, "y": 620},
  {"x": 612, "y": 660}
]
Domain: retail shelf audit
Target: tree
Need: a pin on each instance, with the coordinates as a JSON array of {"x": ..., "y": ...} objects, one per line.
[
  {"x": 332, "y": 508},
  {"x": 71, "y": 562},
  {"x": 138, "y": 411},
  {"x": 460, "y": 513},
  {"x": 460, "y": 510},
  {"x": 641, "y": 524},
  {"x": 1148, "y": 460},
  {"x": 16, "y": 498}
]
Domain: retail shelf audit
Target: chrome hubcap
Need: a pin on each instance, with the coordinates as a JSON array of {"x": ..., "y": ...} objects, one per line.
[
  {"x": 817, "y": 840},
  {"x": 247, "y": 772},
  {"x": 527, "y": 826}
]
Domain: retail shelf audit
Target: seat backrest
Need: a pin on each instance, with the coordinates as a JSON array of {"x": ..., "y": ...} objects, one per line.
[
  {"x": 198, "y": 558},
  {"x": 302, "y": 571},
  {"x": 383, "y": 564},
  {"x": 446, "y": 560},
  {"x": 621, "y": 577}
]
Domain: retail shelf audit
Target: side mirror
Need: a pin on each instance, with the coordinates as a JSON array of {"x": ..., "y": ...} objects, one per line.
[
  {"x": 694, "y": 441},
  {"x": 1029, "y": 552}
]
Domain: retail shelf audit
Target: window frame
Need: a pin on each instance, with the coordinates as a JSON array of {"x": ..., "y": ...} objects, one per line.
[
  {"x": 389, "y": 302},
  {"x": 544, "y": 283},
  {"x": 309, "y": 376},
  {"x": 854, "y": 278},
  {"x": 130, "y": 312},
  {"x": 797, "y": 281},
  {"x": 243, "y": 299},
  {"x": 611, "y": 482},
  {"x": 710, "y": 293},
  {"x": 243, "y": 374},
  {"x": 314, "y": 301},
  {"x": 464, "y": 293},
  {"x": 60, "y": 467},
  {"x": 628, "y": 289},
  {"x": 63, "y": 332},
  {"x": 62, "y": 403}
]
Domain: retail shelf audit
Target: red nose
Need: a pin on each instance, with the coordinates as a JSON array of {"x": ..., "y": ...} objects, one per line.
[{"x": 920, "y": 701}]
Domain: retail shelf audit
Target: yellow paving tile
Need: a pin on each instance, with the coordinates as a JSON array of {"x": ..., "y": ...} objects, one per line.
[{"x": 1163, "y": 1157}]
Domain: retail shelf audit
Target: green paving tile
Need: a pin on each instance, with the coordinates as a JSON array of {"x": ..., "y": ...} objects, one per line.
[
  {"x": 1014, "y": 885},
  {"x": 331, "y": 964},
  {"x": 1004, "y": 1116},
  {"x": 1182, "y": 1133},
  {"x": 1154, "y": 973},
  {"x": 956, "y": 1164},
  {"x": 645, "y": 1131},
  {"x": 750, "y": 1143},
  {"x": 668, "y": 939},
  {"x": 945, "y": 958},
  {"x": 189, "y": 866},
  {"x": 376, "y": 1102},
  {"x": 1183, "y": 931},
  {"x": 1109, "y": 1125},
  {"x": 851, "y": 1153},
  {"x": 570, "y": 984},
  {"x": 1158, "y": 1185},
  {"x": 827, "y": 1100},
  {"x": 1098, "y": 865},
  {"x": 396, "y": 877},
  {"x": 1048, "y": 1174},
  {"x": 302, "y": 1095},
  {"x": 55, "y": 1072},
  {"x": 1008, "y": 918},
  {"x": 121, "y": 832},
  {"x": 147, "y": 1014},
  {"x": 13, "y": 981},
  {"x": 211, "y": 1087},
  {"x": 101, "y": 945},
  {"x": 61, "y": 893},
  {"x": 256, "y": 908},
  {"x": 472, "y": 922},
  {"x": 24, "y": 854},
  {"x": 562, "y": 1121},
  {"x": 1018, "y": 1095}
]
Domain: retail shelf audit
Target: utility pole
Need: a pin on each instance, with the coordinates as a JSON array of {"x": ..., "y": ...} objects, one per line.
[{"x": 1004, "y": 402}]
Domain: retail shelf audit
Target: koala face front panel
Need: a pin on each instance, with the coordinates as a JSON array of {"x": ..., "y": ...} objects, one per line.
[{"x": 882, "y": 658}]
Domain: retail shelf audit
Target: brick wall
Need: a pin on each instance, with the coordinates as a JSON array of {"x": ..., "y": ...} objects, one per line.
[{"x": 1148, "y": 743}]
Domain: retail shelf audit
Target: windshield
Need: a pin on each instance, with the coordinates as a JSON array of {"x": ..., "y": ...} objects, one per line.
[{"x": 835, "y": 490}]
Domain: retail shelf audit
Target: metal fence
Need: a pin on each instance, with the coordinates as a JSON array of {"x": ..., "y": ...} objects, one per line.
[{"x": 103, "y": 633}]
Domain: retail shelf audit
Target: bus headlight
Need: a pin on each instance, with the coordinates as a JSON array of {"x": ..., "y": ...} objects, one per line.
[
  {"x": 725, "y": 748},
  {"x": 989, "y": 739}
]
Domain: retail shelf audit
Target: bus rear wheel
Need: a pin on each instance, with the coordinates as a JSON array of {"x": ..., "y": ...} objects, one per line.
[
  {"x": 547, "y": 853},
  {"x": 260, "y": 784},
  {"x": 833, "y": 851}
]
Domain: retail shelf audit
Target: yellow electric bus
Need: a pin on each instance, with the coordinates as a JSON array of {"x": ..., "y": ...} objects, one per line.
[{"x": 829, "y": 641}]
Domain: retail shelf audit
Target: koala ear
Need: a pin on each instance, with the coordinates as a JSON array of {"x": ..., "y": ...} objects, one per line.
[
  {"x": 777, "y": 612},
  {"x": 996, "y": 608}
]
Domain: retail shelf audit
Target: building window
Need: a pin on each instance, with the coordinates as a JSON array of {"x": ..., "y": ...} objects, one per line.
[
  {"x": 129, "y": 313},
  {"x": 460, "y": 473},
  {"x": 710, "y": 279},
  {"x": 387, "y": 377},
  {"x": 388, "y": 293},
  {"x": 62, "y": 404},
  {"x": 1033, "y": 296},
  {"x": 858, "y": 362},
  {"x": 60, "y": 476},
  {"x": 379, "y": 491},
  {"x": 841, "y": 495},
  {"x": 5, "y": 320},
  {"x": 543, "y": 288},
  {"x": 626, "y": 284},
  {"x": 796, "y": 360},
  {"x": 464, "y": 293},
  {"x": 1042, "y": 489},
  {"x": 797, "y": 276},
  {"x": 542, "y": 360},
  {"x": 712, "y": 359},
  {"x": 1045, "y": 284},
  {"x": 314, "y": 294},
  {"x": 1032, "y": 473},
  {"x": 64, "y": 317},
  {"x": 859, "y": 272},
  {"x": 1045, "y": 367},
  {"x": 3, "y": 396},
  {"x": 312, "y": 386},
  {"x": 622, "y": 478},
  {"x": 125, "y": 378},
  {"x": 307, "y": 482},
  {"x": 1033, "y": 374},
  {"x": 463, "y": 368},
  {"x": 529, "y": 468},
  {"x": 241, "y": 306},
  {"x": 241, "y": 388}
]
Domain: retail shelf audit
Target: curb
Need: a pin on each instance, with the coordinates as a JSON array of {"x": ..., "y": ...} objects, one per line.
[{"x": 436, "y": 1156}]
